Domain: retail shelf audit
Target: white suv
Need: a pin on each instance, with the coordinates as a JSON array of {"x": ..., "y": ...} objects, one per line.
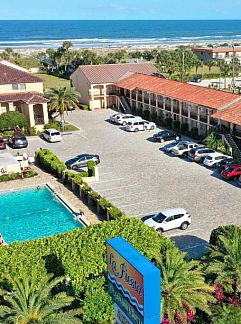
[
  {"x": 168, "y": 219},
  {"x": 214, "y": 158},
  {"x": 123, "y": 119},
  {"x": 140, "y": 125},
  {"x": 52, "y": 135},
  {"x": 183, "y": 148},
  {"x": 113, "y": 118}
]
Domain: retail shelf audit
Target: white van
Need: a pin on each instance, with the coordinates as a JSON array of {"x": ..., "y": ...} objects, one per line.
[
  {"x": 52, "y": 135},
  {"x": 136, "y": 125}
]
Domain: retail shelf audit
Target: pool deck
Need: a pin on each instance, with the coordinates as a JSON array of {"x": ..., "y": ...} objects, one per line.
[{"x": 44, "y": 178}]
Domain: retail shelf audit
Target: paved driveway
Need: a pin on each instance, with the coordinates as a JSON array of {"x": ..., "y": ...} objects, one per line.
[{"x": 141, "y": 179}]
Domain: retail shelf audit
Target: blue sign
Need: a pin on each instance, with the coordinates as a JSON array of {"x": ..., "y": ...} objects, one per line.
[{"x": 134, "y": 284}]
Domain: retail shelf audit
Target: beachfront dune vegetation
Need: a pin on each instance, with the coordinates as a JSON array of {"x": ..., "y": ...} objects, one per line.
[
  {"x": 178, "y": 64},
  {"x": 193, "y": 291}
]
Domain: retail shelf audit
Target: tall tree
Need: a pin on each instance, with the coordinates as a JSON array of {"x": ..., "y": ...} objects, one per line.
[
  {"x": 225, "y": 69},
  {"x": 210, "y": 64},
  {"x": 183, "y": 286},
  {"x": 33, "y": 301},
  {"x": 197, "y": 63},
  {"x": 61, "y": 99}
]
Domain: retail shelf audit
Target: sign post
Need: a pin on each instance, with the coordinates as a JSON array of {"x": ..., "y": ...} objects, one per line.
[{"x": 134, "y": 284}]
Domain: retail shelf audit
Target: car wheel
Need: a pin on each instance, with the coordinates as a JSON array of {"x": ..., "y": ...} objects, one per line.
[
  {"x": 235, "y": 178},
  {"x": 160, "y": 230},
  {"x": 136, "y": 130},
  {"x": 185, "y": 155},
  {"x": 162, "y": 140},
  {"x": 184, "y": 226},
  {"x": 152, "y": 127},
  {"x": 124, "y": 123}
]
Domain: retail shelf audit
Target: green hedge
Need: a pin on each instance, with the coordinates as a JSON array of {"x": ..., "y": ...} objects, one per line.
[
  {"x": 81, "y": 255},
  {"x": 50, "y": 162},
  {"x": 17, "y": 175},
  {"x": 11, "y": 119}
]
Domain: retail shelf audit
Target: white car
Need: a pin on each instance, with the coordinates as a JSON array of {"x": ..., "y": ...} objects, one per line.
[
  {"x": 113, "y": 118},
  {"x": 214, "y": 158},
  {"x": 125, "y": 118},
  {"x": 182, "y": 149},
  {"x": 52, "y": 135},
  {"x": 136, "y": 125},
  {"x": 168, "y": 219},
  {"x": 173, "y": 145}
]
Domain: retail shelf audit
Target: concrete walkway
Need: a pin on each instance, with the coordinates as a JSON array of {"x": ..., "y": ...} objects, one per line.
[{"x": 43, "y": 178}]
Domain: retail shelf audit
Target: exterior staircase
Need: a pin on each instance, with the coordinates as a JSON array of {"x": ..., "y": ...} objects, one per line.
[
  {"x": 229, "y": 141},
  {"x": 125, "y": 105}
]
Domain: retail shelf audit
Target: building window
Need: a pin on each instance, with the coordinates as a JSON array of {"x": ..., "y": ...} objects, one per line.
[
  {"x": 19, "y": 86},
  {"x": 14, "y": 86},
  {"x": 22, "y": 86}
]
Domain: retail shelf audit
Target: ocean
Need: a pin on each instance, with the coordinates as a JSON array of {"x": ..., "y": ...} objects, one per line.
[{"x": 112, "y": 33}]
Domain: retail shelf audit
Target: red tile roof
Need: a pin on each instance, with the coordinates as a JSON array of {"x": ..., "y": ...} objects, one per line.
[
  {"x": 110, "y": 73},
  {"x": 9, "y": 75},
  {"x": 217, "y": 50},
  {"x": 232, "y": 114},
  {"x": 181, "y": 91},
  {"x": 26, "y": 97}
]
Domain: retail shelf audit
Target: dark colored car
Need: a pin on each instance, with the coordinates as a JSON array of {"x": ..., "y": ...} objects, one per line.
[
  {"x": 18, "y": 141},
  {"x": 2, "y": 144},
  {"x": 220, "y": 166},
  {"x": 165, "y": 136},
  {"x": 232, "y": 172},
  {"x": 80, "y": 161},
  {"x": 196, "y": 79}
]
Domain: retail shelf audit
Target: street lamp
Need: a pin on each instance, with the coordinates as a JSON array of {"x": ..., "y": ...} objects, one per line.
[{"x": 233, "y": 80}]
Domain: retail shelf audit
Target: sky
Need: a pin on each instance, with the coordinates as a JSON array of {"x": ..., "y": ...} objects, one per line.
[{"x": 119, "y": 10}]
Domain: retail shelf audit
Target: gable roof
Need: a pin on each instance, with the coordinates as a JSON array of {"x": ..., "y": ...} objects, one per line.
[
  {"x": 10, "y": 75},
  {"x": 27, "y": 97},
  {"x": 110, "y": 73},
  {"x": 177, "y": 90},
  {"x": 232, "y": 114}
]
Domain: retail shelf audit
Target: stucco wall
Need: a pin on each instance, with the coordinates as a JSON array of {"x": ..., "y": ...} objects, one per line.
[
  {"x": 7, "y": 88},
  {"x": 82, "y": 85}
]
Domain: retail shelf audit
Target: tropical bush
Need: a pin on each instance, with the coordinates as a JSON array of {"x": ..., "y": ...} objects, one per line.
[
  {"x": 176, "y": 125},
  {"x": 81, "y": 256},
  {"x": 91, "y": 168},
  {"x": 12, "y": 119},
  {"x": 84, "y": 107},
  {"x": 168, "y": 122},
  {"x": 50, "y": 162},
  {"x": 53, "y": 124}
]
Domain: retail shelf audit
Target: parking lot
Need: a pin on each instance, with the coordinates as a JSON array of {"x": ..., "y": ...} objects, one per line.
[{"x": 138, "y": 177}]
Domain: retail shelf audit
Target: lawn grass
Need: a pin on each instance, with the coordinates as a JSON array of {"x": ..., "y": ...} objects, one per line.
[
  {"x": 204, "y": 70},
  {"x": 51, "y": 81},
  {"x": 70, "y": 128}
]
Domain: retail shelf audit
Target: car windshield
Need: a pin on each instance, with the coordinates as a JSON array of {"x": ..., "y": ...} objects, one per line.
[
  {"x": 55, "y": 134},
  {"x": 159, "y": 218},
  {"x": 229, "y": 169},
  {"x": 22, "y": 138},
  {"x": 209, "y": 157}
]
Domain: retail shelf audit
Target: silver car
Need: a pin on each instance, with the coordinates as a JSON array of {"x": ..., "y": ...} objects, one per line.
[
  {"x": 183, "y": 149},
  {"x": 199, "y": 154}
]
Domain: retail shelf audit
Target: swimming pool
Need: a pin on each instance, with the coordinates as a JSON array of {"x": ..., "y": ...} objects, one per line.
[{"x": 33, "y": 213}]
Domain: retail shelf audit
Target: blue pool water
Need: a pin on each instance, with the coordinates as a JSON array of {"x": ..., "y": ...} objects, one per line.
[{"x": 33, "y": 213}]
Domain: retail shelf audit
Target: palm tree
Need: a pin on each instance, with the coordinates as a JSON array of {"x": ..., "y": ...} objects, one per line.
[
  {"x": 33, "y": 301},
  {"x": 210, "y": 64},
  {"x": 61, "y": 99},
  {"x": 183, "y": 286},
  {"x": 197, "y": 64},
  {"x": 225, "y": 262},
  {"x": 226, "y": 314},
  {"x": 225, "y": 70}
]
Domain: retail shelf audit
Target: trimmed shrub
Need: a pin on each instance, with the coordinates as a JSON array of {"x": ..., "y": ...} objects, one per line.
[
  {"x": 12, "y": 119},
  {"x": 161, "y": 119},
  {"x": 153, "y": 117},
  {"x": 32, "y": 131},
  {"x": 176, "y": 125},
  {"x": 184, "y": 128},
  {"x": 168, "y": 122},
  {"x": 194, "y": 133},
  {"x": 146, "y": 114},
  {"x": 84, "y": 107},
  {"x": 94, "y": 195},
  {"x": 53, "y": 124},
  {"x": 104, "y": 203},
  {"x": 50, "y": 162},
  {"x": 115, "y": 212},
  {"x": 17, "y": 175},
  {"x": 91, "y": 168}
]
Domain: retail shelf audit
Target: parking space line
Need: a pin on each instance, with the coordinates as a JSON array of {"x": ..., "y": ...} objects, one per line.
[
  {"x": 184, "y": 232},
  {"x": 117, "y": 188}
]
